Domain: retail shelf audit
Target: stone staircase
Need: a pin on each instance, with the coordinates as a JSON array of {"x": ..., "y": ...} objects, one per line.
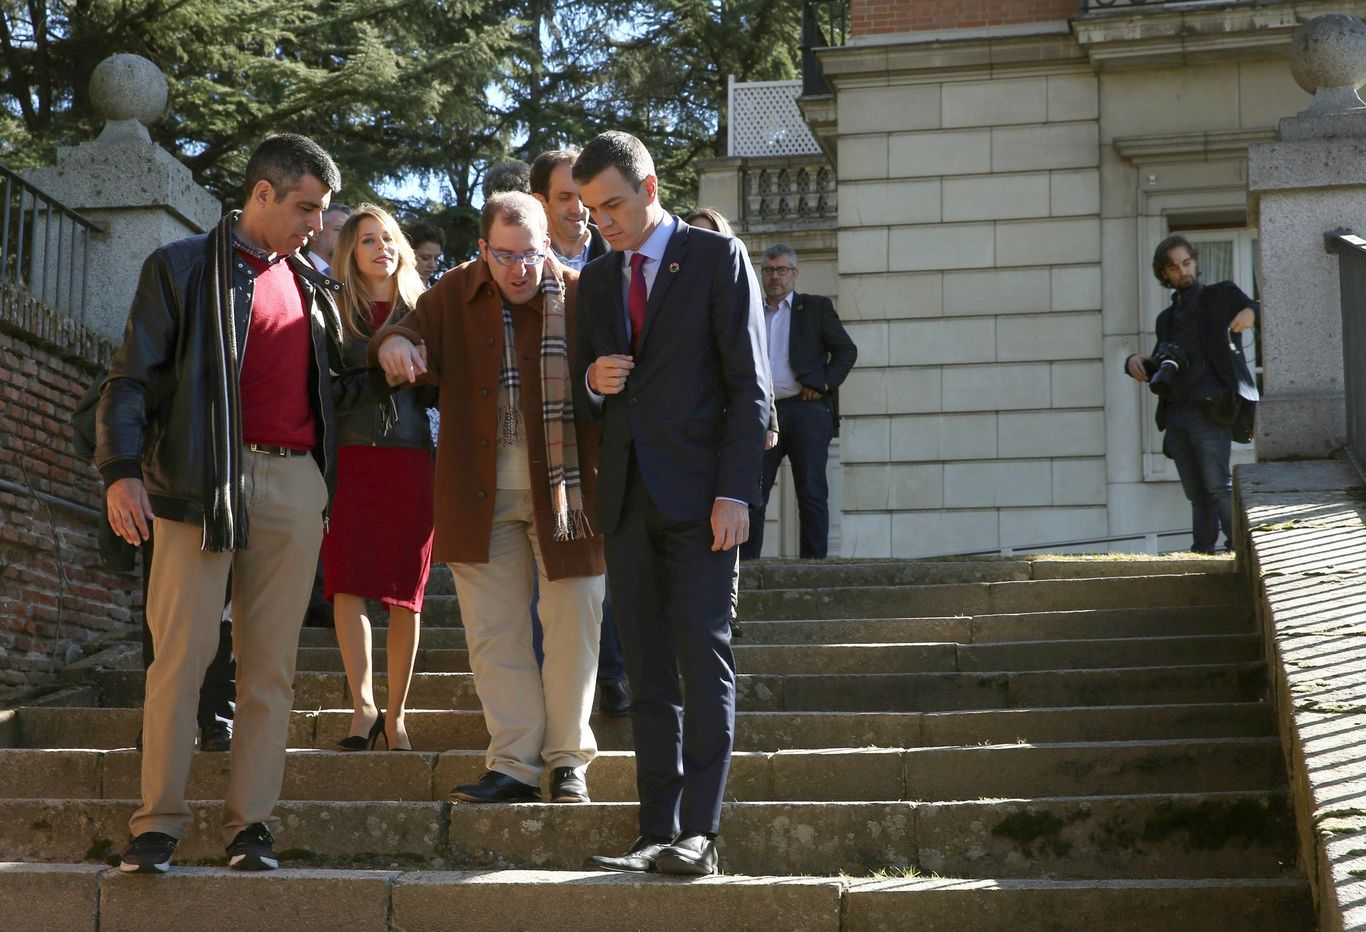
[{"x": 1012, "y": 744}]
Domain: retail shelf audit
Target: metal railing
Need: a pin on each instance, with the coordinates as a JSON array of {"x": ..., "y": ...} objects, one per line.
[
  {"x": 44, "y": 246},
  {"x": 825, "y": 24},
  {"x": 1351, "y": 253}
]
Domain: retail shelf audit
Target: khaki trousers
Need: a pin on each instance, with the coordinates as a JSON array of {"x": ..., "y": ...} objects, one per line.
[
  {"x": 536, "y": 718},
  {"x": 271, "y": 580}
]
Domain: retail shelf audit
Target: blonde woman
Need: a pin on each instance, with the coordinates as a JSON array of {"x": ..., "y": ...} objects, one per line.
[{"x": 379, "y": 545}]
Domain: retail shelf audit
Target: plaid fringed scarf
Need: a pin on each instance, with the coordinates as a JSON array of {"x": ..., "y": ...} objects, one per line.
[
  {"x": 225, "y": 514},
  {"x": 557, "y": 411}
]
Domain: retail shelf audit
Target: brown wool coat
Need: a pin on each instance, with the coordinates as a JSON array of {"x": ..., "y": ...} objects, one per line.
[{"x": 460, "y": 322}]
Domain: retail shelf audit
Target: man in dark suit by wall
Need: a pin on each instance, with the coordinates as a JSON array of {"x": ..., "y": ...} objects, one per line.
[
  {"x": 671, "y": 350},
  {"x": 810, "y": 354}
]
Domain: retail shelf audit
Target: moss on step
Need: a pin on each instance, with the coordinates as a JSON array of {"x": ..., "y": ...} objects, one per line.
[
  {"x": 1210, "y": 825},
  {"x": 102, "y": 849},
  {"x": 1036, "y": 827}
]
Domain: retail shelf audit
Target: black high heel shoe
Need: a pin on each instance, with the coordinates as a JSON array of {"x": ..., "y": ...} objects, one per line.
[
  {"x": 362, "y": 742},
  {"x": 385, "y": 732},
  {"x": 377, "y": 731}
]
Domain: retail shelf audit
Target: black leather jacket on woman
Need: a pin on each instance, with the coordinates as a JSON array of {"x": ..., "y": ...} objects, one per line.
[
  {"x": 366, "y": 426},
  {"x": 152, "y": 421}
]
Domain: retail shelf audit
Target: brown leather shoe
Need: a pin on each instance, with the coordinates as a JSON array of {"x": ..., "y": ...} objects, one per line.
[{"x": 638, "y": 859}]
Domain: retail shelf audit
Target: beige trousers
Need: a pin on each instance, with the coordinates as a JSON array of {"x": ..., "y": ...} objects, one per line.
[
  {"x": 536, "y": 718},
  {"x": 271, "y": 580}
]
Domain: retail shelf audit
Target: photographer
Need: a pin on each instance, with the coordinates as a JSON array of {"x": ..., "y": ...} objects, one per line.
[{"x": 1206, "y": 395}]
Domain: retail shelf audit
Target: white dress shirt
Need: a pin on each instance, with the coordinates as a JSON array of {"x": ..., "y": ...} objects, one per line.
[
  {"x": 319, "y": 263},
  {"x": 779, "y": 321},
  {"x": 653, "y": 251}
]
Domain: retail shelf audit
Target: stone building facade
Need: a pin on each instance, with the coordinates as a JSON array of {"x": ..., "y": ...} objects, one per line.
[{"x": 1003, "y": 173}]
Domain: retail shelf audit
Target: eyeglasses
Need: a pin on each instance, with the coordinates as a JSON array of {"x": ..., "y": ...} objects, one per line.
[
  {"x": 506, "y": 259},
  {"x": 783, "y": 270}
]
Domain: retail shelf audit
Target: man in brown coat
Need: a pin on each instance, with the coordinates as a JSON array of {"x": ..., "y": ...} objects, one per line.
[{"x": 516, "y": 482}]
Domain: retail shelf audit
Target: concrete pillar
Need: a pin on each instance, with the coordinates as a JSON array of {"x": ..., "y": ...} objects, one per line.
[
  {"x": 1311, "y": 180},
  {"x": 136, "y": 190},
  {"x": 718, "y": 187}
]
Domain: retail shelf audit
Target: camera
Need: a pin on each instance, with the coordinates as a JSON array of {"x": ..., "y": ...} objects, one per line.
[{"x": 1167, "y": 363}]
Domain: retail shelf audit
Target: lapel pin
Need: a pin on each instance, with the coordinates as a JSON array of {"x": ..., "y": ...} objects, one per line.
[{"x": 673, "y": 268}]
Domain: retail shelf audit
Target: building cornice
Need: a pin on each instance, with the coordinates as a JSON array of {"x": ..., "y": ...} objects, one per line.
[
  {"x": 1187, "y": 147},
  {"x": 818, "y": 110},
  {"x": 964, "y": 57},
  {"x": 1200, "y": 32}
]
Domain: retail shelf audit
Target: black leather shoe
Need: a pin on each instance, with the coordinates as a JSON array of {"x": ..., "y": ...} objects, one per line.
[
  {"x": 566, "y": 786},
  {"x": 638, "y": 859},
  {"x": 690, "y": 855},
  {"x": 217, "y": 737},
  {"x": 495, "y": 787},
  {"x": 614, "y": 698}
]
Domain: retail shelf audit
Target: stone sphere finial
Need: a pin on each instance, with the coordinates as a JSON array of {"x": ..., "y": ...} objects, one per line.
[
  {"x": 1328, "y": 60},
  {"x": 129, "y": 92}
]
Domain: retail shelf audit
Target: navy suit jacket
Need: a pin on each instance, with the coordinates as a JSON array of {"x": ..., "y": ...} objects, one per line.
[
  {"x": 696, "y": 406},
  {"x": 819, "y": 350}
]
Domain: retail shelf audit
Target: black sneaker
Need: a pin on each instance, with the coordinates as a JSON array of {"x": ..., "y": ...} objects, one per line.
[
  {"x": 567, "y": 786},
  {"x": 253, "y": 850},
  {"x": 150, "y": 853}
]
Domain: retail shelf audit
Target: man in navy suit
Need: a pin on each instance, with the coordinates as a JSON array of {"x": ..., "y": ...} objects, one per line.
[
  {"x": 809, "y": 353},
  {"x": 671, "y": 351}
]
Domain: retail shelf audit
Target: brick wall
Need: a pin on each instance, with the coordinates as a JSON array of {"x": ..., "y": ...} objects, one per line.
[
  {"x": 46, "y": 363},
  {"x": 873, "y": 17}
]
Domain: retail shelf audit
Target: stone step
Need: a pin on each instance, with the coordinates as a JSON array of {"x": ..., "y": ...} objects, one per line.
[
  {"x": 1228, "y": 618},
  {"x": 755, "y": 731},
  {"x": 1191, "y": 835},
  {"x": 208, "y": 899},
  {"x": 796, "y": 574},
  {"x": 875, "y": 692},
  {"x": 788, "y": 573},
  {"x": 989, "y": 598},
  {"x": 909, "y": 658},
  {"x": 930, "y": 774}
]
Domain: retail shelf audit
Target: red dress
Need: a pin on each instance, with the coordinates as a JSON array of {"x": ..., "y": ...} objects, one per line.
[{"x": 379, "y": 544}]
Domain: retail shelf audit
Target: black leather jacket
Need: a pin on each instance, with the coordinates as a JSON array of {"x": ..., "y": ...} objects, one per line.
[
  {"x": 366, "y": 426},
  {"x": 152, "y": 421}
]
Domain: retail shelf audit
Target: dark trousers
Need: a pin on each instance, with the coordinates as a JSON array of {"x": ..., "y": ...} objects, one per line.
[
  {"x": 805, "y": 429},
  {"x": 673, "y": 599},
  {"x": 611, "y": 667},
  {"x": 218, "y": 692},
  {"x": 1201, "y": 449}
]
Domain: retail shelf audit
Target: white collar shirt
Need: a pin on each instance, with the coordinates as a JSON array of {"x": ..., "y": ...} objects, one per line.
[
  {"x": 779, "y": 325},
  {"x": 653, "y": 251},
  {"x": 574, "y": 262}
]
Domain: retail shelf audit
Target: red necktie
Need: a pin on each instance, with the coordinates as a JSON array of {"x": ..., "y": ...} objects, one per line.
[{"x": 636, "y": 299}]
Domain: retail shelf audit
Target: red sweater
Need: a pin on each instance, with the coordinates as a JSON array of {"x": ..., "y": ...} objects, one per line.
[{"x": 274, "y": 370}]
